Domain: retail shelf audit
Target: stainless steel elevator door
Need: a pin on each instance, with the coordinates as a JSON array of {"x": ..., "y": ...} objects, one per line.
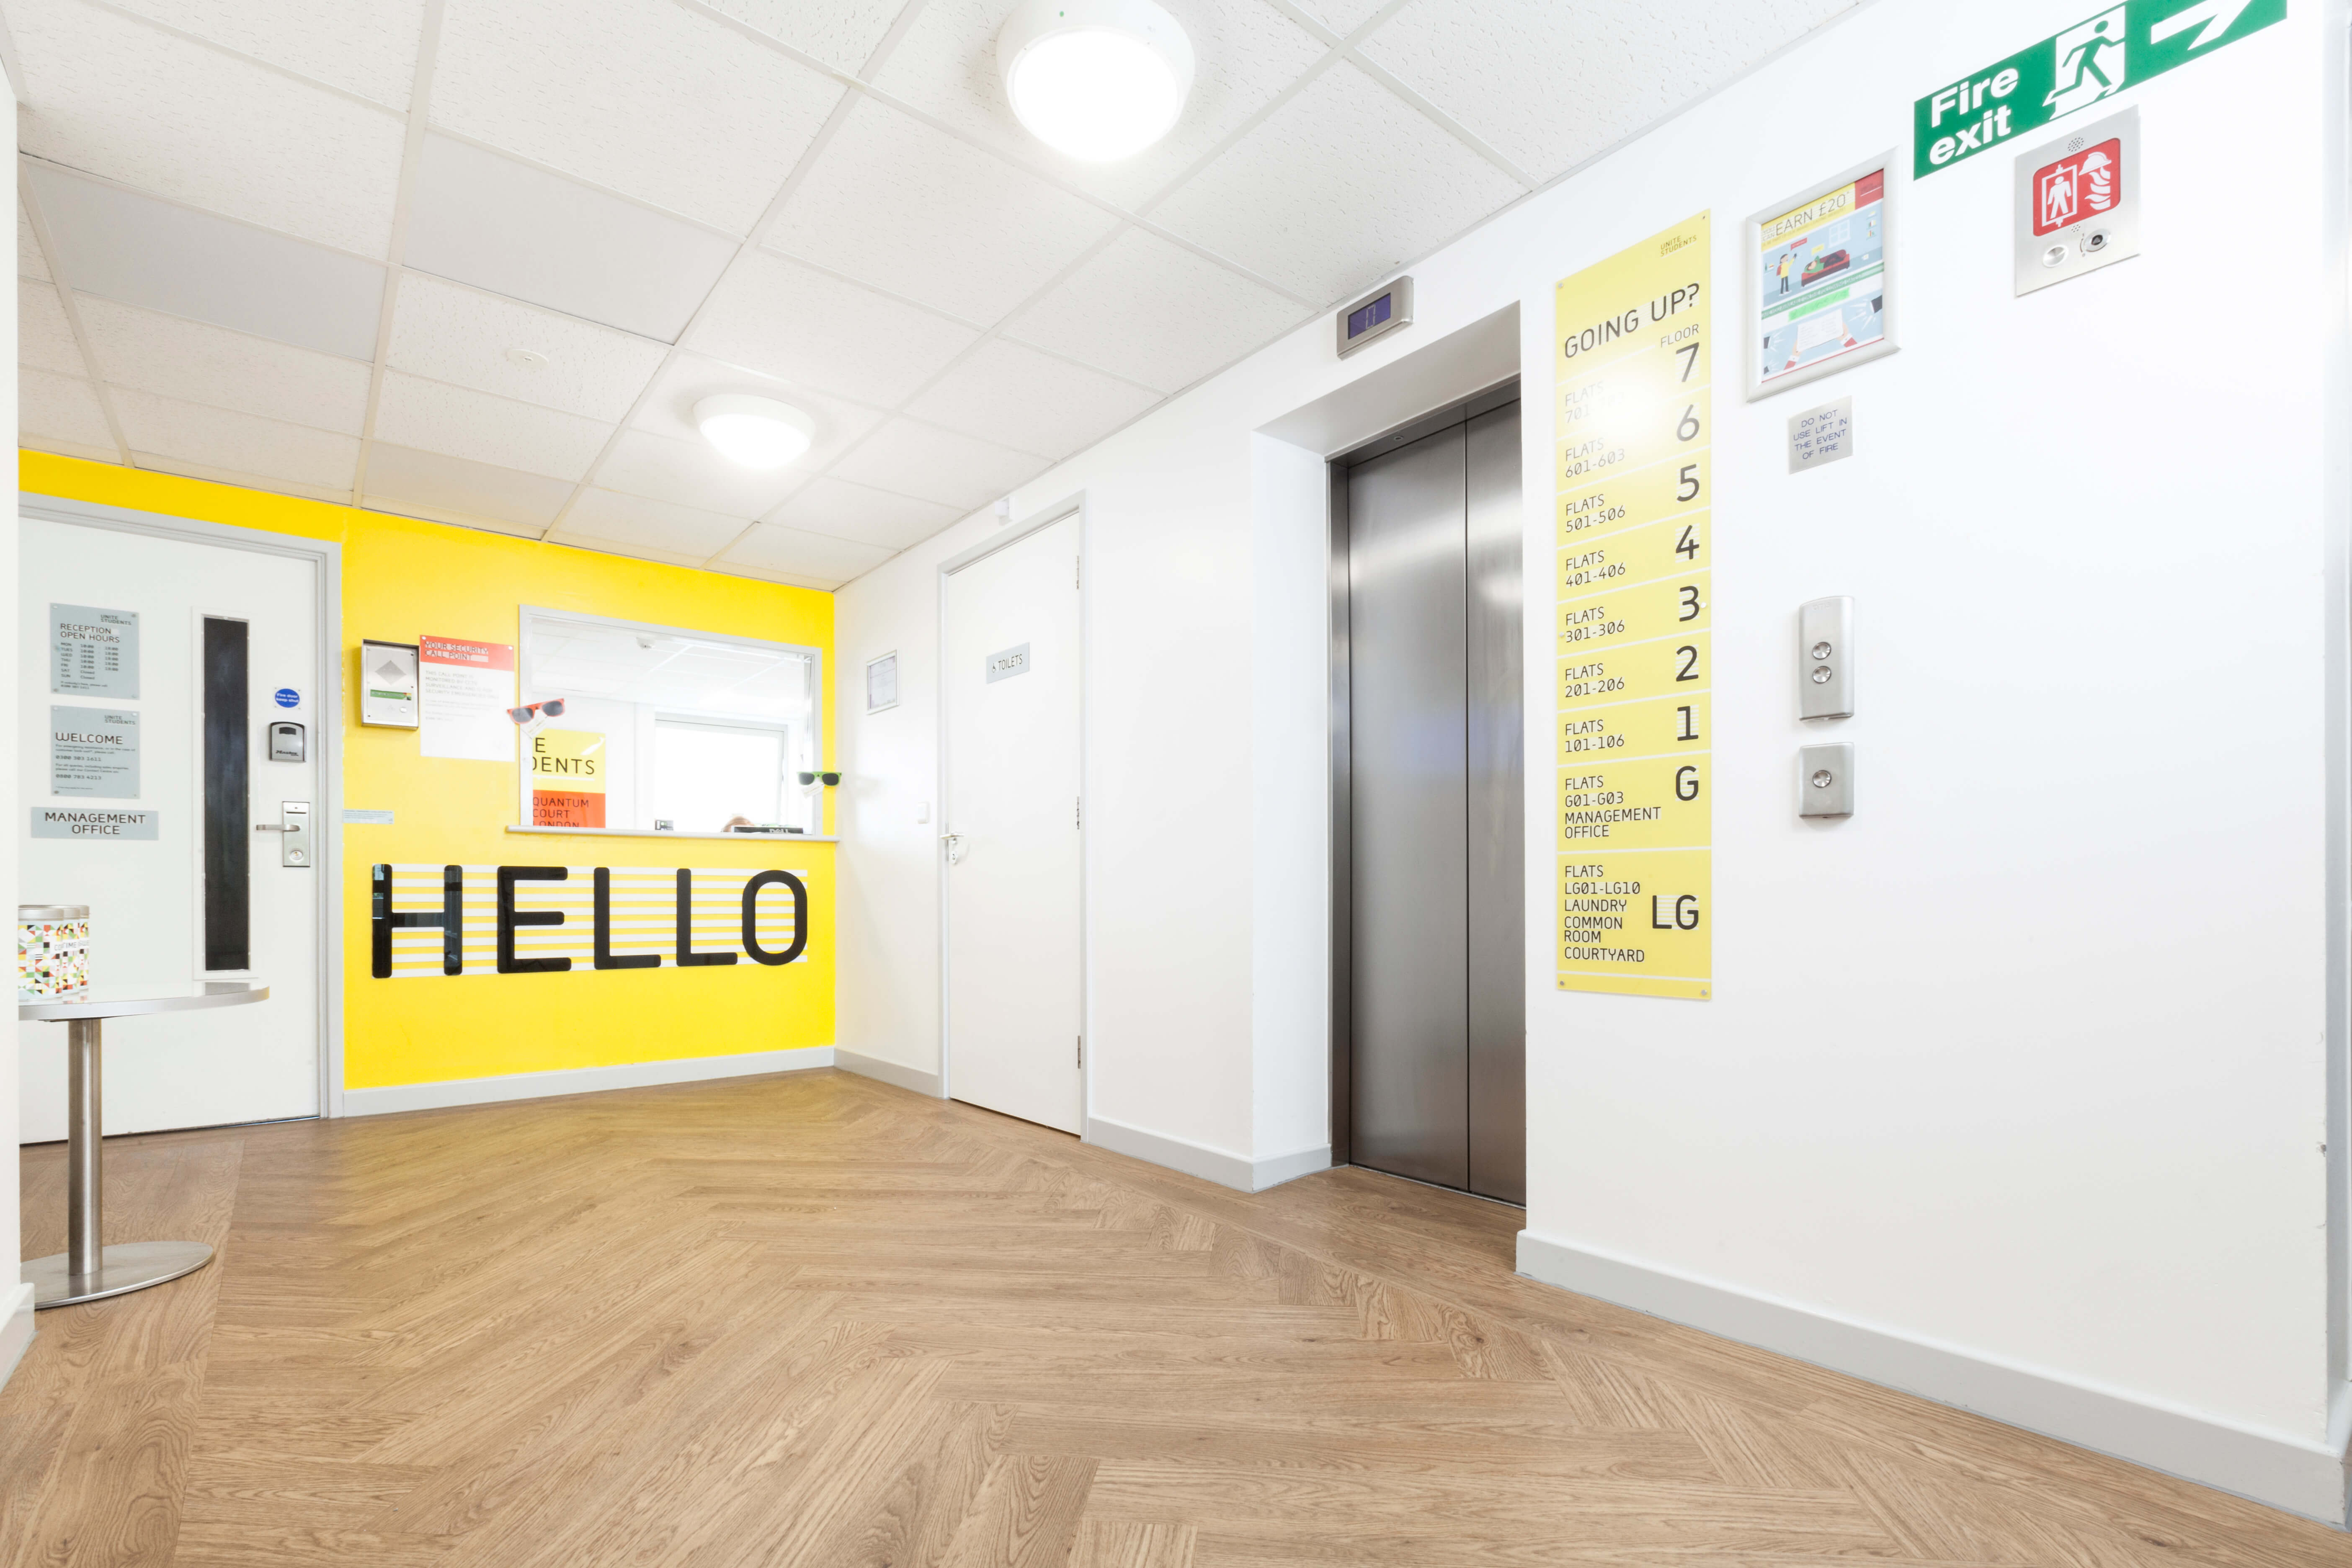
[
  {"x": 1437, "y": 1002},
  {"x": 1497, "y": 826},
  {"x": 1408, "y": 637}
]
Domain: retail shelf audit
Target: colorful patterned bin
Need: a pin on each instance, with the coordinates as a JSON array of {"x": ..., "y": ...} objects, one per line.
[{"x": 52, "y": 951}]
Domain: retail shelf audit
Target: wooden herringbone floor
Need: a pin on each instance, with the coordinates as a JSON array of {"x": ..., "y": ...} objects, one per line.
[{"x": 813, "y": 1320}]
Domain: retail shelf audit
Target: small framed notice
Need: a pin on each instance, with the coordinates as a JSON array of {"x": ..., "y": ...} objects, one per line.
[
  {"x": 1820, "y": 290},
  {"x": 388, "y": 684},
  {"x": 93, "y": 652},
  {"x": 882, "y": 683}
]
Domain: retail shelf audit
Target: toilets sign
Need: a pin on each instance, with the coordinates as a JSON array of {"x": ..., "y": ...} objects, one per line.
[{"x": 2093, "y": 59}]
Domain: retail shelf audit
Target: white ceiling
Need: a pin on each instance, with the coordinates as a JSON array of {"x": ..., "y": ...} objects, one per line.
[{"x": 291, "y": 242}]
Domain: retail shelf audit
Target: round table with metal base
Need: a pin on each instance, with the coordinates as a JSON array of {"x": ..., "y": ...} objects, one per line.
[{"x": 86, "y": 1271}]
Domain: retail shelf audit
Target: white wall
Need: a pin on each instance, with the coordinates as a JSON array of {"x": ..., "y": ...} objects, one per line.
[{"x": 2016, "y": 1085}]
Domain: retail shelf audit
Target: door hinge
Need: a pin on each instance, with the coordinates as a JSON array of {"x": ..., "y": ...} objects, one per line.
[
  {"x": 1078, "y": 812},
  {"x": 1082, "y": 1050},
  {"x": 1078, "y": 571}
]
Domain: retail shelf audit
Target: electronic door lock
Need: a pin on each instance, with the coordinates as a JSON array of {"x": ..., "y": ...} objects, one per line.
[{"x": 293, "y": 828}]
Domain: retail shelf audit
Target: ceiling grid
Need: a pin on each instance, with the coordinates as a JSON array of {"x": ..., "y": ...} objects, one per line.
[
  {"x": 599, "y": 211},
  {"x": 412, "y": 149}
]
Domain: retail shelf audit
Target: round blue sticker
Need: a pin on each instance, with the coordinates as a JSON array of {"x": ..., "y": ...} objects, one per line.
[{"x": 289, "y": 698}]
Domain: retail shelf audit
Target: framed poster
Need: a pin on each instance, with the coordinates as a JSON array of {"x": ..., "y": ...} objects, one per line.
[
  {"x": 1820, "y": 291},
  {"x": 882, "y": 682}
]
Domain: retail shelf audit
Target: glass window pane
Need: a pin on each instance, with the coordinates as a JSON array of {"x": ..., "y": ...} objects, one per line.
[{"x": 706, "y": 775}]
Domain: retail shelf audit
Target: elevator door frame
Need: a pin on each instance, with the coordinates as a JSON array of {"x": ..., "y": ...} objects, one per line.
[{"x": 1335, "y": 469}]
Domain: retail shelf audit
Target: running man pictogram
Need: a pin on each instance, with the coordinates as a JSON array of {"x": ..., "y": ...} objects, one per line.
[{"x": 2090, "y": 63}]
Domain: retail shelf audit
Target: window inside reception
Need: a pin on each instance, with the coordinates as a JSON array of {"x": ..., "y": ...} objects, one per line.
[{"x": 665, "y": 729}]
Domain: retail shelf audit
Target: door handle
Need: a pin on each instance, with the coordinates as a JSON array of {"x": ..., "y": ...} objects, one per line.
[
  {"x": 954, "y": 842},
  {"x": 294, "y": 822}
]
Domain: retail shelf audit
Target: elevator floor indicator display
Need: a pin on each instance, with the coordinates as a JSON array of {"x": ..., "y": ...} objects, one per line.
[{"x": 1632, "y": 602}]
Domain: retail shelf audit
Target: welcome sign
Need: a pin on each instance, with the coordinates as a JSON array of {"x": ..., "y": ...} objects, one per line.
[{"x": 429, "y": 922}]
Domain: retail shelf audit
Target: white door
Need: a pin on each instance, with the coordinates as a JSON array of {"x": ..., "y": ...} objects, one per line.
[
  {"x": 1014, "y": 945},
  {"x": 151, "y": 918}
]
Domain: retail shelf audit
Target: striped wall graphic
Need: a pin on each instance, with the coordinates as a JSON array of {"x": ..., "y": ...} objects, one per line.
[{"x": 534, "y": 919}]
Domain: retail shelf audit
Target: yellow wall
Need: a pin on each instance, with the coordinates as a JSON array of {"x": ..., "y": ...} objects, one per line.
[{"x": 402, "y": 578}]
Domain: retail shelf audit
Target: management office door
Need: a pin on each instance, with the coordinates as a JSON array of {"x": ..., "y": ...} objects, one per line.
[
  {"x": 1437, "y": 1003},
  {"x": 176, "y": 655},
  {"x": 1011, "y": 832}
]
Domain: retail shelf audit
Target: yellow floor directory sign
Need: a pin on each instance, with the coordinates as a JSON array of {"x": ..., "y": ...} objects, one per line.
[{"x": 1633, "y": 594}]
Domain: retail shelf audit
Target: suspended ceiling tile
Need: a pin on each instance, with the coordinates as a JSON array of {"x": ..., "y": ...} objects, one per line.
[
  {"x": 649, "y": 99},
  {"x": 44, "y": 340},
  {"x": 458, "y": 422},
  {"x": 1030, "y": 401},
  {"x": 427, "y": 512},
  {"x": 462, "y": 336},
  {"x": 789, "y": 322},
  {"x": 840, "y": 509},
  {"x": 1155, "y": 313},
  {"x": 770, "y": 548},
  {"x": 522, "y": 232},
  {"x": 899, "y": 206},
  {"x": 129, "y": 103},
  {"x": 31, "y": 262},
  {"x": 144, "y": 252},
  {"x": 1336, "y": 189},
  {"x": 634, "y": 552},
  {"x": 1549, "y": 84},
  {"x": 1246, "y": 52},
  {"x": 688, "y": 534},
  {"x": 935, "y": 464},
  {"x": 687, "y": 379},
  {"x": 157, "y": 462},
  {"x": 62, "y": 409},
  {"x": 221, "y": 439},
  {"x": 787, "y": 579},
  {"x": 199, "y": 364},
  {"x": 452, "y": 488},
  {"x": 1342, "y": 17},
  {"x": 693, "y": 473},
  {"x": 366, "y": 47},
  {"x": 841, "y": 33}
]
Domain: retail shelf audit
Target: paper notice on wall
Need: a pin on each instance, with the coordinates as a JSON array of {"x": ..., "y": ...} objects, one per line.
[
  {"x": 466, "y": 689},
  {"x": 567, "y": 779}
]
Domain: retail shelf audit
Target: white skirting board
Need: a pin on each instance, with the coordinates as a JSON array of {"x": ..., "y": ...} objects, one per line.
[
  {"x": 1218, "y": 1165},
  {"x": 875, "y": 1068},
  {"x": 451, "y": 1091},
  {"x": 15, "y": 1328},
  {"x": 2273, "y": 1467}
]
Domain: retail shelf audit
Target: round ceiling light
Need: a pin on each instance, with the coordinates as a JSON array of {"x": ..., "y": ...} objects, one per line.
[
  {"x": 757, "y": 432},
  {"x": 1097, "y": 79}
]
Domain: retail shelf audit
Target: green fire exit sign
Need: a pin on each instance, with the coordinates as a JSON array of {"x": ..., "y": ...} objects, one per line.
[{"x": 2093, "y": 59}]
